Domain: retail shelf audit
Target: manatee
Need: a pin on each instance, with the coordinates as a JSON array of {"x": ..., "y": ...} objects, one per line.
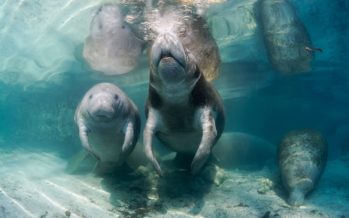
[
  {"x": 112, "y": 47},
  {"x": 194, "y": 34},
  {"x": 243, "y": 151},
  {"x": 109, "y": 125},
  {"x": 302, "y": 156},
  {"x": 184, "y": 111},
  {"x": 285, "y": 37}
]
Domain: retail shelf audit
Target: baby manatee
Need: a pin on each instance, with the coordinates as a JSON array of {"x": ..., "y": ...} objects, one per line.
[
  {"x": 109, "y": 125},
  {"x": 302, "y": 156}
]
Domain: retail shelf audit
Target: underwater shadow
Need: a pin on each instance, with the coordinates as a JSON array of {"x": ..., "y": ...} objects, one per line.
[
  {"x": 129, "y": 192},
  {"x": 142, "y": 192},
  {"x": 184, "y": 191},
  {"x": 181, "y": 191}
]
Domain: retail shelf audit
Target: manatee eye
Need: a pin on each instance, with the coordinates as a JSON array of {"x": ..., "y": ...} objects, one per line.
[
  {"x": 116, "y": 97},
  {"x": 182, "y": 32},
  {"x": 123, "y": 26},
  {"x": 90, "y": 97}
]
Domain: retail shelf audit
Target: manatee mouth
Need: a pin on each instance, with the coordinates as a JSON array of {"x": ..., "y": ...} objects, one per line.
[
  {"x": 103, "y": 113},
  {"x": 168, "y": 58},
  {"x": 103, "y": 116}
]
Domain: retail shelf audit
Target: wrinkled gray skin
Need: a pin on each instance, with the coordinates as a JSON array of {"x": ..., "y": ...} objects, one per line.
[
  {"x": 302, "y": 156},
  {"x": 285, "y": 37},
  {"x": 183, "y": 110},
  {"x": 194, "y": 34},
  {"x": 109, "y": 125}
]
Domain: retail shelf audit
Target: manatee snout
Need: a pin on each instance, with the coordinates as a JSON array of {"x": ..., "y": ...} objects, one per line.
[
  {"x": 168, "y": 45},
  {"x": 103, "y": 106},
  {"x": 168, "y": 57}
]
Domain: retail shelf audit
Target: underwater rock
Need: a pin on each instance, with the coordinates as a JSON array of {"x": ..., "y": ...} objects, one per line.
[
  {"x": 302, "y": 157},
  {"x": 285, "y": 37},
  {"x": 212, "y": 173},
  {"x": 244, "y": 151},
  {"x": 265, "y": 185},
  {"x": 111, "y": 48},
  {"x": 194, "y": 34},
  {"x": 109, "y": 125},
  {"x": 183, "y": 110}
]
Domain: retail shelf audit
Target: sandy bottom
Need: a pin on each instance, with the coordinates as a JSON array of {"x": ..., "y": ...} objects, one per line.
[{"x": 37, "y": 185}]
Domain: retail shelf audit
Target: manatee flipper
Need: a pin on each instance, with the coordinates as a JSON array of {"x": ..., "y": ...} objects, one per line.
[
  {"x": 148, "y": 135},
  {"x": 128, "y": 144},
  {"x": 209, "y": 134},
  {"x": 83, "y": 134},
  {"x": 81, "y": 161}
]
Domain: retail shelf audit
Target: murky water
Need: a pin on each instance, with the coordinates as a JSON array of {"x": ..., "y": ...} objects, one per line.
[{"x": 43, "y": 76}]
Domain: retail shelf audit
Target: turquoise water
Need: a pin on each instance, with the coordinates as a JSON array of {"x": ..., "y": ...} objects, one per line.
[{"x": 43, "y": 77}]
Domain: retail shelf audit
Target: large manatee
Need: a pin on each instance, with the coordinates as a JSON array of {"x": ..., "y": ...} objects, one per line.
[
  {"x": 285, "y": 36},
  {"x": 183, "y": 110},
  {"x": 112, "y": 47},
  {"x": 109, "y": 125},
  {"x": 302, "y": 157}
]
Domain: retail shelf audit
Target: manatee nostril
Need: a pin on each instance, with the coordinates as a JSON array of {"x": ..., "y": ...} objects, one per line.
[
  {"x": 90, "y": 97},
  {"x": 165, "y": 53}
]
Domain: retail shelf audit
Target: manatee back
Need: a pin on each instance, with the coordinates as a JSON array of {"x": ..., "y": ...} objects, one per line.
[
  {"x": 285, "y": 37},
  {"x": 112, "y": 47},
  {"x": 302, "y": 156}
]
